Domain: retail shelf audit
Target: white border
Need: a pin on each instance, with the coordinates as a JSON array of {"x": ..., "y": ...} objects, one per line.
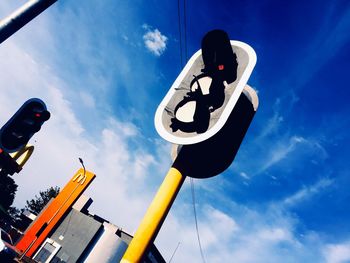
[
  {"x": 53, "y": 243},
  {"x": 228, "y": 108}
]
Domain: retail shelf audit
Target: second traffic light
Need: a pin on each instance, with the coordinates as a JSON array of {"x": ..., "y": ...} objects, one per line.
[{"x": 16, "y": 133}]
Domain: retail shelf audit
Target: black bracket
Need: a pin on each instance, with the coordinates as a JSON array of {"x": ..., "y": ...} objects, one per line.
[{"x": 7, "y": 164}]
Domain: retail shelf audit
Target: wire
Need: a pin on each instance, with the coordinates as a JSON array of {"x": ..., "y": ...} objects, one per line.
[
  {"x": 180, "y": 29},
  {"x": 68, "y": 224},
  {"x": 195, "y": 218},
  {"x": 70, "y": 214},
  {"x": 191, "y": 179},
  {"x": 179, "y": 22},
  {"x": 174, "y": 252},
  {"x": 185, "y": 26}
]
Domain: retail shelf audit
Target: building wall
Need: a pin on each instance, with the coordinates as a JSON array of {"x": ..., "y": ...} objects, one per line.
[
  {"x": 108, "y": 247},
  {"x": 74, "y": 235},
  {"x": 53, "y": 213}
]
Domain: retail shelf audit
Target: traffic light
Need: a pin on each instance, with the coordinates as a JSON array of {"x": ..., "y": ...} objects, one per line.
[
  {"x": 16, "y": 133},
  {"x": 201, "y": 99}
]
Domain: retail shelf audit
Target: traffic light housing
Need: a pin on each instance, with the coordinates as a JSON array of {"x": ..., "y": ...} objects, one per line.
[
  {"x": 201, "y": 99},
  {"x": 28, "y": 120}
]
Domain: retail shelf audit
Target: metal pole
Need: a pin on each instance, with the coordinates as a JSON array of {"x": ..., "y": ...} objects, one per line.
[
  {"x": 154, "y": 217},
  {"x": 20, "y": 17}
]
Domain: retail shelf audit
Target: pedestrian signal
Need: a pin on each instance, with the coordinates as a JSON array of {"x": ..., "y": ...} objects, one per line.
[{"x": 203, "y": 96}]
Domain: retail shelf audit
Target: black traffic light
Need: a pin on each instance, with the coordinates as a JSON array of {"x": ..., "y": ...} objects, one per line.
[{"x": 16, "y": 133}]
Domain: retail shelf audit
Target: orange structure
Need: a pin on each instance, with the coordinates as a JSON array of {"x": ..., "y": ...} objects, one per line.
[{"x": 36, "y": 234}]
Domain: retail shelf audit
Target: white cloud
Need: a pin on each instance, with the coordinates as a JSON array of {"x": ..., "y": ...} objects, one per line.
[
  {"x": 245, "y": 235},
  {"x": 281, "y": 151},
  {"x": 291, "y": 147},
  {"x": 128, "y": 174},
  {"x": 275, "y": 235},
  {"x": 87, "y": 99},
  {"x": 307, "y": 192},
  {"x": 272, "y": 124},
  {"x": 121, "y": 170},
  {"x": 125, "y": 129},
  {"x": 337, "y": 253},
  {"x": 244, "y": 175},
  {"x": 155, "y": 41}
]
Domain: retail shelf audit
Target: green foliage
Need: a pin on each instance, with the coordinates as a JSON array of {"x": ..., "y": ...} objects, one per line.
[
  {"x": 8, "y": 189},
  {"x": 15, "y": 213},
  {"x": 36, "y": 204}
]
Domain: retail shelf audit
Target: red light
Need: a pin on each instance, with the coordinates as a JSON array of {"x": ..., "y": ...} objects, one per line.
[
  {"x": 37, "y": 115},
  {"x": 1, "y": 150},
  {"x": 221, "y": 67}
]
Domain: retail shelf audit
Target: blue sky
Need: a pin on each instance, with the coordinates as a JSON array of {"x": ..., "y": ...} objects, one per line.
[{"x": 284, "y": 199}]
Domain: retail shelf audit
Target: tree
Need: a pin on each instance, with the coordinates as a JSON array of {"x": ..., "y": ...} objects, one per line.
[
  {"x": 8, "y": 189},
  {"x": 36, "y": 204},
  {"x": 15, "y": 213}
]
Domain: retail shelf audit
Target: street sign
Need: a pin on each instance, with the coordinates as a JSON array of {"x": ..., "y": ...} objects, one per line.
[
  {"x": 203, "y": 96},
  {"x": 15, "y": 21}
]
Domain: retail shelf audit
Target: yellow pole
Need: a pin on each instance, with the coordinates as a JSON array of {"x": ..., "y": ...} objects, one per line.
[{"x": 154, "y": 217}]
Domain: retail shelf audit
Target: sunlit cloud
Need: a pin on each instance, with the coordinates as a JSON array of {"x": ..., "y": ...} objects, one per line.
[
  {"x": 307, "y": 192},
  {"x": 87, "y": 99},
  {"x": 337, "y": 253},
  {"x": 244, "y": 175},
  {"x": 77, "y": 80},
  {"x": 281, "y": 151},
  {"x": 292, "y": 147},
  {"x": 155, "y": 41}
]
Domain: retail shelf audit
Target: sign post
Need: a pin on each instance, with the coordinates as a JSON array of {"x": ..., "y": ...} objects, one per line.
[
  {"x": 154, "y": 217},
  {"x": 208, "y": 130},
  {"x": 22, "y": 16}
]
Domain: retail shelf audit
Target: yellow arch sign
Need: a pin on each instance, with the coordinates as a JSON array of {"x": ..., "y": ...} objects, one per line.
[{"x": 22, "y": 155}]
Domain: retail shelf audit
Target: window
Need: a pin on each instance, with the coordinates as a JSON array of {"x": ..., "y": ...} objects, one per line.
[
  {"x": 47, "y": 251},
  {"x": 5, "y": 237},
  {"x": 60, "y": 259}
]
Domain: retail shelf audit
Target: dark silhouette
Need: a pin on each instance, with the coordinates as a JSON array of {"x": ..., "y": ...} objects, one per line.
[
  {"x": 222, "y": 147},
  {"x": 201, "y": 115},
  {"x": 219, "y": 59},
  {"x": 220, "y": 64}
]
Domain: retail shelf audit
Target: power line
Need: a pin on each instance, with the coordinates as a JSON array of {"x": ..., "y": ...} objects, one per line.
[
  {"x": 195, "y": 218},
  {"x": 183, "y": 43},
  {"x": 185, "y": 27},
  {"x": 191, "y": 179},
  {"x": 174, "y": 252},
  {"x": 179, "y": 23}
]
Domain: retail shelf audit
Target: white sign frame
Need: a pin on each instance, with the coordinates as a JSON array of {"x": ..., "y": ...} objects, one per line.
[{"x": 226, "y": 111}]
